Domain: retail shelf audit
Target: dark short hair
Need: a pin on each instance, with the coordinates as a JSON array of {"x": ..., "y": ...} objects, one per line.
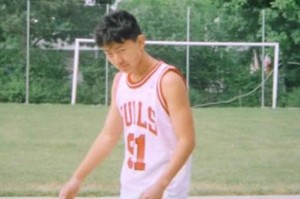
[{"x": 117, "y": 26}]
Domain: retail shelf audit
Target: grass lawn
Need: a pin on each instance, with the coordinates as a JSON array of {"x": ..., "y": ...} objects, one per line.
[{"x": 239, "y": 150}]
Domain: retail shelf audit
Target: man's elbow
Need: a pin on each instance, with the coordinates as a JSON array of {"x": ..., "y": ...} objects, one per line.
[{"x": 190, "y": 144}]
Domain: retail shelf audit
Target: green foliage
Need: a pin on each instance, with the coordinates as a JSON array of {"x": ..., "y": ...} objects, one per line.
[
  {"x": 13, "y": 89},
  {"x": 196, "y": 97},
  {"x": 159, "y": 27},
  {"x": 12, "y": 23},
  {"x": 58, "y": 21},
  {"x": 51, "y": 23},
  {"x": 284, "y": 20},
  {"x": 294, "y": 98},
  {"x": 91, "y": 89},
  {"x": 282, "y": 25},
  {"x": 49, "y": 78},
  {"x": 215, "y": 73},
  {"x": 12, "y": 79}
]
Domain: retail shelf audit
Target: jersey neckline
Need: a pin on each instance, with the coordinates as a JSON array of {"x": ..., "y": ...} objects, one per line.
[{"x": 133, "y": 84}]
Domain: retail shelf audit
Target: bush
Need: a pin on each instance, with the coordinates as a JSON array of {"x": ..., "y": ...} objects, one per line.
[
  {"x": 293, "y": 98},
  {"x": 49, "y": 77},
  {"x": 12, "y": 89},
  {"x": 12, "y": 76}
]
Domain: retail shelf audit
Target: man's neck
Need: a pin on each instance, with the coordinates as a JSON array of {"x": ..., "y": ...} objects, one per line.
[{"x": 145, "y": 66}]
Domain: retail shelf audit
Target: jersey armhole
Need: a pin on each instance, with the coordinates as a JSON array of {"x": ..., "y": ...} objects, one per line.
[{"x": 159, "y": 85}]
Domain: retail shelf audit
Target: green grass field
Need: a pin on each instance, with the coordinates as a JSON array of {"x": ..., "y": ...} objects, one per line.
[{"x": 239, "y": 151}]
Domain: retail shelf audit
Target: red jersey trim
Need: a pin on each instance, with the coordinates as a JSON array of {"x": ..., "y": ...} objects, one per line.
[
  {"x": 160, "y": 94},
  {"x": 132, "y": 84}
]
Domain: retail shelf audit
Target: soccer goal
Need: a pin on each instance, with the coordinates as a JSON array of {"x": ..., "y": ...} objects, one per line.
[{"x": 185, "y": 44}]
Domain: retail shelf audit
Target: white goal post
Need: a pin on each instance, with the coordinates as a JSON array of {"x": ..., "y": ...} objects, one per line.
[{"x": 78, "y": 41}]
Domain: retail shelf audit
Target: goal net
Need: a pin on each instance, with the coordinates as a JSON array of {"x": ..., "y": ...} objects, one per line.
[{"x": 217, "y": 73}]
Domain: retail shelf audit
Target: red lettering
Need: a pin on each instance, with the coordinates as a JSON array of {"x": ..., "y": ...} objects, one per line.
[
  {"x": 130, "y": 147},
  {"x": 135, "y": 113},
  {"x": 141, "y": 123},
  {"x": 128, "y": 114},
  {"x": 140, "y": 142},
  {"x": 151, "y": 116}
]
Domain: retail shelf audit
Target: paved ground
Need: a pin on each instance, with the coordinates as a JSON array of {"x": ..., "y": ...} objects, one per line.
[{"x": 192, "y": 197}]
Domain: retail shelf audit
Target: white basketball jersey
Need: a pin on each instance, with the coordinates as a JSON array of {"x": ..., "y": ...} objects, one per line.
[{"x": 148, "y": 135}]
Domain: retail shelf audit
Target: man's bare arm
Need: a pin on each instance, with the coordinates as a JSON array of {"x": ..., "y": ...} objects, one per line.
[
  {"x": 102, "y": 146},
  {"x": 181, "y": 118}
]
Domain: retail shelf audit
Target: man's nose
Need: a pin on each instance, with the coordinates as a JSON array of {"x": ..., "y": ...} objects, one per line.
[{"x": 118, "y": 59}]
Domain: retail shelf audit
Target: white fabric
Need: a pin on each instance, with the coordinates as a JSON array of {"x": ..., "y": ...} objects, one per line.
[{"x": 148, "y": 136}]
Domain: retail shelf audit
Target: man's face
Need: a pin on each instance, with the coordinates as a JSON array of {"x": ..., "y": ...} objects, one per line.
[{"x": 125, "y": 56}]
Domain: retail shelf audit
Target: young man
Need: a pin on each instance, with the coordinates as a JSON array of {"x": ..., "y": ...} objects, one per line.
[{"x": 150, "y": 107}]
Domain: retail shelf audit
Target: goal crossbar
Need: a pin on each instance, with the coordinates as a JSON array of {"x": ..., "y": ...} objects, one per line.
[
  {"x": 181, "y": 43},
  {"x": 199, "y": 43}
]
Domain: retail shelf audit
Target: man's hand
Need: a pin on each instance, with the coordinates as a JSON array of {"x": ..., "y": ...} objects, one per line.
[
  {"x": 70, "y": 190},
  {"x": 156, "y": 191}
]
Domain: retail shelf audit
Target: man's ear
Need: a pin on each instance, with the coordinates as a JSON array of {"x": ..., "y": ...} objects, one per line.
[{"x": 141, "y": 40}]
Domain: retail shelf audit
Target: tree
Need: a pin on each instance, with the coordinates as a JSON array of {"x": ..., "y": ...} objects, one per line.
[
  {"x": 12, "y": 50},
  {"x": 62, "y": 21},
  {"x": 282, "y": 25},
  {"x": 52, "y": 23},
  {"x": 56, "y": 23},
  {"x": 284, "y": 22}
]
